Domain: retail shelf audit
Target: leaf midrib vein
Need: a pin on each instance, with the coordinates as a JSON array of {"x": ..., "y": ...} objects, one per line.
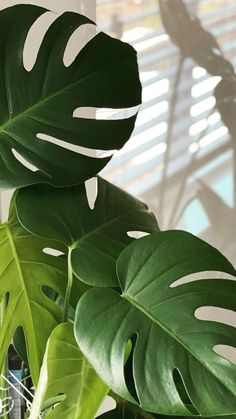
[
  {"x": 81, "y": 386},
  {"x": 19, "y": 270}
]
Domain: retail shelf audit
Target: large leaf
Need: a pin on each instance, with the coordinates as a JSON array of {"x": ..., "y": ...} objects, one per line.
[
  {"x": 97, "y": 235},
  {"x": 170, "y": 340},
  {"x": 43, "y": 100},
  {"x": 126, "y": 410},
  {"x": 193, "y": 40},
  {"x": 25, "y": 270},
  {"x": 66, "y": 371}
]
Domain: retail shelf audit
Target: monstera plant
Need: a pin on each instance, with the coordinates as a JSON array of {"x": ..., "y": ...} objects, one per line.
[{"x": 91, "y": 309}]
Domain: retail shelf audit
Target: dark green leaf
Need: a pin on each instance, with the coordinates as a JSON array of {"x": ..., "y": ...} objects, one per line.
[
  {"x": 20, "y": 345},
  {"x": 169, "y": 337},
  {"x": 43, "y": 100},
  {"x": 126, "y": 410},
  {"x": 98, "y": 236}
]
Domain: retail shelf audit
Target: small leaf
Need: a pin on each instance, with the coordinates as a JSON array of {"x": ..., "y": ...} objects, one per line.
[
  {"x": 97, "y": 235},
  {"x": 67, "y": 378},
  {"x": 169, "y": 337}
]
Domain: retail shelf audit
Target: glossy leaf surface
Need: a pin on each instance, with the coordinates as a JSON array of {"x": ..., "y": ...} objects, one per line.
[
  {"x": 42, "y": 101},
  {"x": 161, "y": 317},
  {"x": 24, "y": 272},
  {"x": 97, "y": 235},
  {"x": 66, "y": 372}
]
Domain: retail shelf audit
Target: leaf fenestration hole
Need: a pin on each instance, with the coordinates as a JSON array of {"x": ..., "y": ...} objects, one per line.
[
  {"x": 137, "y": 234},
  {"x": 50, "y": 293},
  {"x": 227, "y": 352},
  {"x": 80, "y": 37},
  {"x": 216, "y": 51},
  {"x": 52, "y": 252},
  {"x": 129, "y": 369},
  {"x": 108, "y": 405},
  {"x": 35, "y": 37},
  {"x": 23, "y": 161},
  {"x": 5, "y": 300},
  {"x": 89, "y": 152},
  {"x": 183, "y": 394},
  {"x": 105, "y": 114},
  {"x": 91, "y": 187},
  {"x": 202, "y": 275},
  {"x": 19, "y": 343},
  {"x": 216, "y": 314}
]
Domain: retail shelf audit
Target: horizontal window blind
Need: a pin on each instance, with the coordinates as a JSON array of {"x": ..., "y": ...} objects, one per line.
[{"x": 200, "y": 145}]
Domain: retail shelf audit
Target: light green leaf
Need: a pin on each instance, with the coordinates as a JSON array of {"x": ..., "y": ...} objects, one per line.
[
  {"x": 24, "y": 272},
  {"x": 169, "y": 338},
  {"x": 65, "y": 371},
  {"x": 97, "y": 235},
  {"x": 42, "y": 101}
]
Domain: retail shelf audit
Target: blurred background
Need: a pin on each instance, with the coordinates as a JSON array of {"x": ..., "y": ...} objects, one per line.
[{"x": 180, "y": 159}]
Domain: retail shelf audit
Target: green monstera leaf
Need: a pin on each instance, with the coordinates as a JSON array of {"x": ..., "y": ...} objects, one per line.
[
  {"x": 96, "y": 236},
  {"x": 25, "y": 271},
  {"x": 160, "y": 316},
  {"x": 42, "y": 102},
  {"x": 67, "y": 375},
  {"x": 126, "y": 410}
]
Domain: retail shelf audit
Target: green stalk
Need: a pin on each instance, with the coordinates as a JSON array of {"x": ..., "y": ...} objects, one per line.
[
  {"x": 69, "y": 286},
  {"x": 4, "y": 371}
]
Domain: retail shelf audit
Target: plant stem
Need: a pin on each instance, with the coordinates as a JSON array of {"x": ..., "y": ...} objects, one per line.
[
  {"x": 69, "y": 286},
  {"x": 4, "y": 372}
]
